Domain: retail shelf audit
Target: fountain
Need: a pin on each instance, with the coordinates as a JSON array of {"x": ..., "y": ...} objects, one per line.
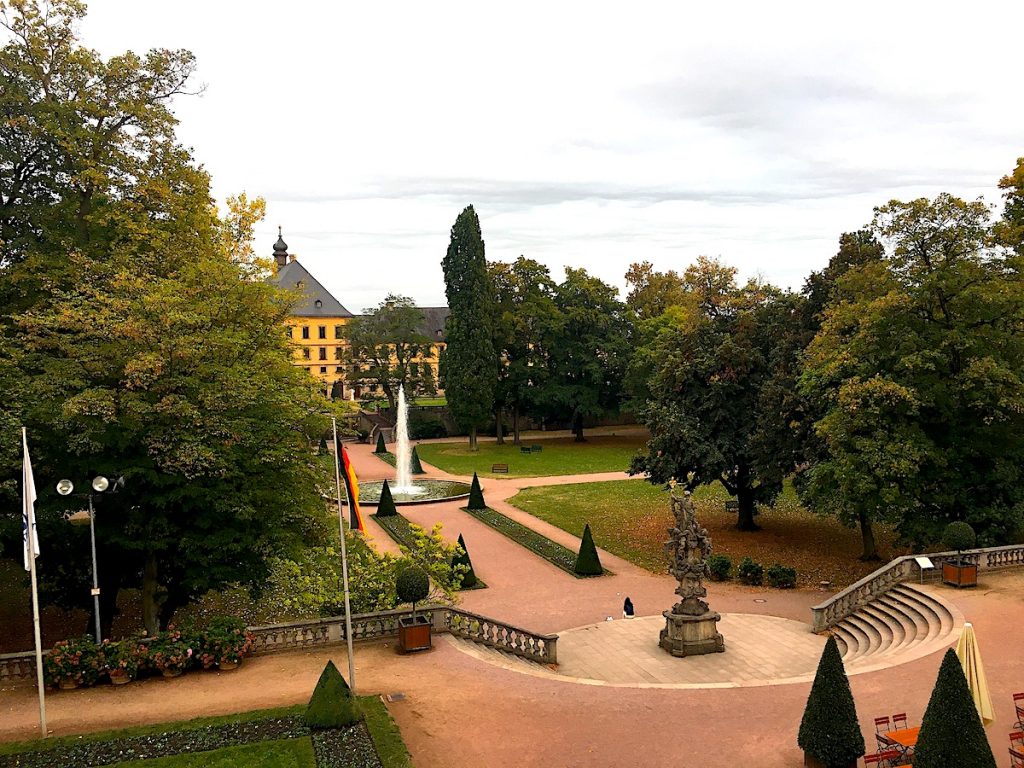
[{"x": 405, "y": 490}]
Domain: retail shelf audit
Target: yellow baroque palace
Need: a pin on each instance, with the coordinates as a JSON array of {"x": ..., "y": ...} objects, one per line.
[{"x": 316, "y": 329}]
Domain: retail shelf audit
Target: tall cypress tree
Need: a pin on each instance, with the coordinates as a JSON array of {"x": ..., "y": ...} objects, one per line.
[
  {"x": 470, "y": 363},
  {"x": 830, "y": 731}
]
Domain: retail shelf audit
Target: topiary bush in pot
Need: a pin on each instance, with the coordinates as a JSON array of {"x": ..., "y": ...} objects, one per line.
[
  {"x": 412, "y": 586},
  {"x": 830, "y": 734},
  {"x": 962, "y": 572},
  {"x": 951, "y": 732}
]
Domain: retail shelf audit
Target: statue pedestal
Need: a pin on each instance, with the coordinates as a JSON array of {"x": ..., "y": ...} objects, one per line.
[{"x": 691, "y": 635}]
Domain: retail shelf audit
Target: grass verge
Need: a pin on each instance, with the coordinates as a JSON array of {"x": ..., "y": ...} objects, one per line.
[
  {"x": 629, "y": 518},
  {"x": 537, "y": 543},
  {"x": 290, "y": 753},
  {"x": 560, "y": 456},
  {"x": 384, "y": 731}
]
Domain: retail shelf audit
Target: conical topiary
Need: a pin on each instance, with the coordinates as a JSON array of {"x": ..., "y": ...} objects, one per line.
[
  {"x": 386, "y": 505},
  {"x": 951, "y": 731},
  {"x": 322, "y": 448},
  {"x": 417, "y": 468},
  {"x": 461, "y": 557},
  {"x": 476, "y": 496},
  {"x": 587, "y": 561},
  {"x": 381, "y": 448},
  {"x": 332, "y": 704},
  {"x": 829, "y": 730}
]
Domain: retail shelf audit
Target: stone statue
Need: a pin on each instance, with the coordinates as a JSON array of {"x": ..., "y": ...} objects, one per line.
[{"x": 691, "y": 626}]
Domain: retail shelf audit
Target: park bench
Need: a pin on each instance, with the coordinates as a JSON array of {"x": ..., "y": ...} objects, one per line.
[
  {"x": 732, "y": 506},
  {"x": 536, "y": 448},
  {"x": 499, "y": 469},
  {"x": 524, "y": 449}
]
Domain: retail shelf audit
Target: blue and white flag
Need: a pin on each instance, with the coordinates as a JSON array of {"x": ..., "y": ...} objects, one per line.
[{"x": 28, "y": 516}]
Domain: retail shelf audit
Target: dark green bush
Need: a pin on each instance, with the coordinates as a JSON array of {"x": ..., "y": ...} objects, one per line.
[
  {"x": 476, "y": 495},
  {"x": 426, "y": 427},
  {"x": 781, "y": 577},
  {"x": 720, "y": 567},
  {"x": 587, "y": 561},
  {"x": 386, "y": 505},
  {"x": 332, "y": 704},
  {"x": 461, "y": 557},
  {"x": 322, "y": 448},
  {"x": 417, "y": 467},
  {"x": 829, "y": 730},
  {"x": 959, "y": 536},
  {"x": 750, "y": 572},
  {"x": 381, "y": 448},
  {"x": 951, "y": 731},
  {"x": 412, "y": 585}
]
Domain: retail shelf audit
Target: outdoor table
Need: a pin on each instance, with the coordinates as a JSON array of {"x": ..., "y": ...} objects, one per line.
[{"x": 904, "y": 739}]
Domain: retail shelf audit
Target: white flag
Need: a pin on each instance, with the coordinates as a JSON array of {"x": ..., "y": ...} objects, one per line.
[{"x": 28, "y": 517}]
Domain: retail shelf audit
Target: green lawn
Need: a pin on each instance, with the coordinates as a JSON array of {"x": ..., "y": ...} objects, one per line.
[
  {"x": 561, "y": 456},
  {"x": 630, "y": 518},
  {"x": 290, "y": 753}
]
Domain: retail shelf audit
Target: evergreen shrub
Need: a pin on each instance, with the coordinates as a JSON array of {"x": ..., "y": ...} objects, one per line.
[
  {"x": 461, "y": 557},
  {"x": 587, "y": 561},
  {"x": 386, "y": 505},
  {"x": 720, "y": 567},
  {"x": 332, "y": 704},
  {"x": 417, "y": 467},
  {"x": 476, "y": 495},
  {"x": 781, "y": 577},
  {"x": 381, "y": 448},
  {"x": 829, "y": 730},
  {"x": 322, "y": 448},
  {"x": 959, "y": 536},
  {"x": 951, "y": 732},
  {"x": 412, "y": 585},
  {"x": 750, "y": 572}
]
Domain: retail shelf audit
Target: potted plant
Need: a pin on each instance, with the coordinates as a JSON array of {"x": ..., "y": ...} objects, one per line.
[
  {"x": 413, "y": 585},
  {"x": 171, "y": 653},
  {"x": 122, "y": 660},
  {"x": 960, "y": 572},
  {"x": 223, "y": 643},
  {"x": 830, "y": 734},
  {"x": 72, "y": 663}
]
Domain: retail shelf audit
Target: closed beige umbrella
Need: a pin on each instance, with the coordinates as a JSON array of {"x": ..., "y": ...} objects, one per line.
[{"x": 970, "y": 659}]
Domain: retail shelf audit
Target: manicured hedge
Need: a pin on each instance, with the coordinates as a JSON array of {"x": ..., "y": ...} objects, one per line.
[{"x": 537, "y": 543}]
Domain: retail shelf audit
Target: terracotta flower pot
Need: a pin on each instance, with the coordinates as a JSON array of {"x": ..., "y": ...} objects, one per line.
[
  {"x": 68, "y": 683},
  {"x": 228, "y": 665},
  {"x": 119, "y": 677},
  {"x": 171, "y": 672}
]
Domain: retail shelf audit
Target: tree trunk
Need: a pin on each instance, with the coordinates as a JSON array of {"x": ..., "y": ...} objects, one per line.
[
  {"x": 516, "y": 440},
  {"x": 499, "y": 425},
  {"x": 168, "y": 608},
  {"x": 472, "y": 438},
  {"x": 867, "y": 536},
  {"x": 150, "y": 604},
  {"x": 745, "y": 497},
  {"x": 577, "y": 427}
]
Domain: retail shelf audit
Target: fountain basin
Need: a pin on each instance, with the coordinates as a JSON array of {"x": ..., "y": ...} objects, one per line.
[{"x": 430, "y": 490}]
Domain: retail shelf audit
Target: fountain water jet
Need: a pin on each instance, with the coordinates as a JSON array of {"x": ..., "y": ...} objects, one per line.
[{"x": 403, "y": 453}]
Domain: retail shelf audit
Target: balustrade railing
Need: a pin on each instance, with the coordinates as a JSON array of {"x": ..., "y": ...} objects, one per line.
[
  {"x": 905, "y": 568},
  {"x": 274, "y": 638}
]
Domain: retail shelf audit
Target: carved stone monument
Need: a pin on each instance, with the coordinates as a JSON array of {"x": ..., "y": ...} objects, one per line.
[{"x": 691, "y": 628}]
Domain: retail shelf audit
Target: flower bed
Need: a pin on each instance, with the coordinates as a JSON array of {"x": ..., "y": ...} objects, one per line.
[{"x": 537, "y": 543}]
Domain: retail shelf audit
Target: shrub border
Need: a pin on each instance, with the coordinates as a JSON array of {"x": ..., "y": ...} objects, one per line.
[
  {"x": 538, "y": 543},
  {"x": 399, "y": 528}
]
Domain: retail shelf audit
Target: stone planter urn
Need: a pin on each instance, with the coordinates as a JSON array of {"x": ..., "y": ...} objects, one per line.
[{"x": 414, "y": 634}]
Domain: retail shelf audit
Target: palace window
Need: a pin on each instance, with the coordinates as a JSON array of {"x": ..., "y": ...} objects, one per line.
[
  {"x": 305, "y": 331},
  {"x": 323, "y": 353},
  {"x": 337, "y": 353},
  {"x": 305, "y": 353},
  {"x": 323, "y": 369},
  {"x": 318, "y": 303},
  {"x": 288, "y": 330},
  {"x": 338, "y": 369},
  {"x": 323, "y": 331},
  {"x": 337, "y": 332}
]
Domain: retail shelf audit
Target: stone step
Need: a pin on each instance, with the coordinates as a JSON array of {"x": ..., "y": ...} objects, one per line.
[
  {"x": 877, "y": 636},
  {"x": 940, "y": 622},
  {"x": 860, "y": 642},
  {"x": 937, "y": 606},
  {"x": 894, "y": 626}
]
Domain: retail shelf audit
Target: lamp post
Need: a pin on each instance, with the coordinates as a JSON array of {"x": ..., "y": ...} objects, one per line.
[{"x": 99, "y": 485}]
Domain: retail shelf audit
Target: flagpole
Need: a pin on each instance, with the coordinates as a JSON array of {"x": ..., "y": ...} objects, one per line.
[
  {"x": 29, "y": 509},
  {"x": 344, "y": 559}
]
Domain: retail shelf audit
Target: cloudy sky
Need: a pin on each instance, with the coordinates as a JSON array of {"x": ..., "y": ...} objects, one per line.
[{"x": 585, "y": 134}]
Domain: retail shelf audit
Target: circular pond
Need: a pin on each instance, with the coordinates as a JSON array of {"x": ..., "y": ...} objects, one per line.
[{"x": 424, "y": 491}]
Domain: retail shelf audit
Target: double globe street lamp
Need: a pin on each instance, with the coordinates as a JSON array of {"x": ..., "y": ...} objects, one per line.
[{"x": 99, "y": 485}]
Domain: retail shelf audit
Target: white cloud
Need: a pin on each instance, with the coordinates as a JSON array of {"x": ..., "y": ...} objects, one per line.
[{"x": 588, "y": 134}]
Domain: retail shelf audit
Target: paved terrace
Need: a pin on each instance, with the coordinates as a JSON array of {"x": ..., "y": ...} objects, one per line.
[{"x": 461, "y": 709}]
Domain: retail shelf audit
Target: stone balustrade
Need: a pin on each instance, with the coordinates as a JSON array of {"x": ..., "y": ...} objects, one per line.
[
  {"x": 905, "y": 568},
  {"x": 381, "y": 625}
]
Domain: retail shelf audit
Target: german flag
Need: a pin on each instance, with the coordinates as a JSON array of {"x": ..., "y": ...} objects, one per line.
[{"x": 355, "y": 520}]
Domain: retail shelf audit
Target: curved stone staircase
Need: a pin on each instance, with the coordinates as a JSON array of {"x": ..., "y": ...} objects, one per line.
[{"x": 906, "y": 623}]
